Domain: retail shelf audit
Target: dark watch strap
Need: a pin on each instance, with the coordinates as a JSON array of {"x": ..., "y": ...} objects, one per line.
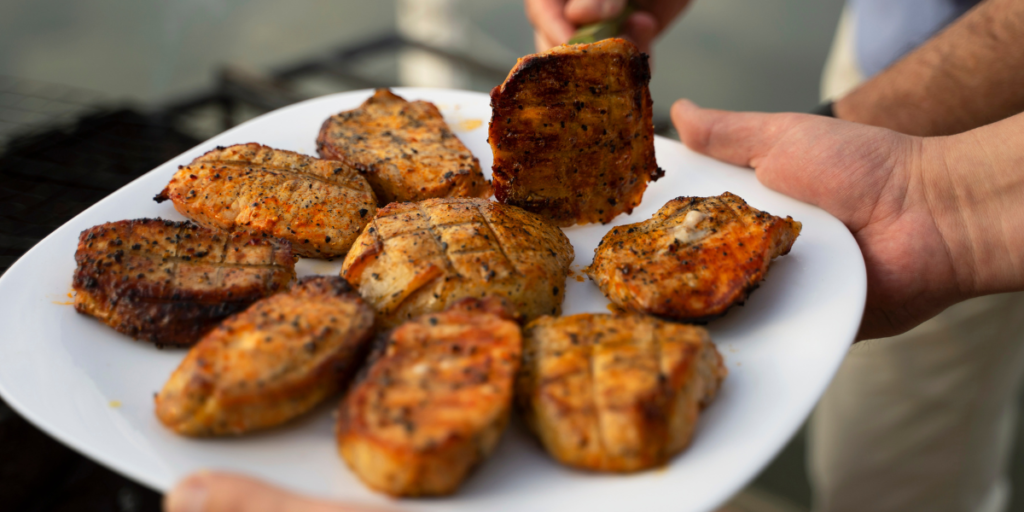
[{"x": 825, "y": 109}]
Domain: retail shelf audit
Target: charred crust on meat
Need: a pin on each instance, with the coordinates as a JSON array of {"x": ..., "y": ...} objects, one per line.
[
  {"x": 658, "y": 393},
  {"x": 568, "y": 87},
  {"x": 688, "y": 268},
  {"x": 485, "y": 351},
  {"x": 407, "y": 161},
  {"x": 313, "y": 349},
  {"x": 325, "y": 284},
  {"x": 258, "y": 169},
  {"x": 141, "y": 277}
]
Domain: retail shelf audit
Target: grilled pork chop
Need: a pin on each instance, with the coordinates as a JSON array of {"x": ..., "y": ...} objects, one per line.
[
  {"x": 170, "y": 282},
  {"x": 693, "y": 260},
  {"x": 405, "y": 149},
  {"x": 270, "y": 363},
  {"x": 417, "y": 258},
  {"x": 615, "y": 393},
  {"x": 572, "y": 133},
  {"x": 434, "y": 401},
  {"x": 318, "y": 206}
]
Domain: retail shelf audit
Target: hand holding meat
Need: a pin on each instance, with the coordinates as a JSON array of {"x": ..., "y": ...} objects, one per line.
[
  {"x": 572, "y": 133},
  {"x": 554, "y": 21}
]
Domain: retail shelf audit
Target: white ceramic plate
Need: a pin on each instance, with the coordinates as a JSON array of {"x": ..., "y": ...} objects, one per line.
[{"x": 92, "y": 388}]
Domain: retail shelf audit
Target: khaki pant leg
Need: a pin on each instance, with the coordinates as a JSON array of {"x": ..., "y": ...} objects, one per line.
[
  {"x": 842, "y": 73},
  {"x": 923, "y": 421}
]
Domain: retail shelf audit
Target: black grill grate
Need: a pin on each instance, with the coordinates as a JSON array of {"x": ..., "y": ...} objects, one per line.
[
  {"x": 59, "y": 156},
  {"x": 48, "y": 177}
]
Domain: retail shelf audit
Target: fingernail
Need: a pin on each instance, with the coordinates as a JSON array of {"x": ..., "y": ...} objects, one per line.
[{"x": 188, "y": 496}]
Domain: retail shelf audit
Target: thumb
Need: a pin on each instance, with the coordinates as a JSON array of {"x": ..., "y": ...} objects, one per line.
[
  {"x": 222, "y": 492},
  {"x": 739, "y": 138},
  {"x": 840, "y": 166}
]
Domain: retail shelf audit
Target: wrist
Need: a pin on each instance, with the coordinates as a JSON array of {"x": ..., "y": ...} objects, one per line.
[
  {"x": 937, "y": 170},
  {"x": 974, "y": 196}
]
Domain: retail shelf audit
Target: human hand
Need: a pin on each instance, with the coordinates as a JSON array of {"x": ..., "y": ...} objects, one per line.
[
  {"x": 222, "y": 492},
  {"x": 938, "y": 220},
  {"x": 554, "y": 21}
]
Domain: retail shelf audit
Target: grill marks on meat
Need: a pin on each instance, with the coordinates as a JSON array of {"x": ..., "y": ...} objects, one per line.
[
  {"x": 615, "y": 393},
  {"x": 317, "y": 205},
  {"x": 405, "y": 149},
  {"x": 434, "y": 401},
  {"x": 170, "y": 282},
  {"x": 270, "y": 363},
  {"x": 572, "y": 133},
  {"x": 693, "y": 260},
  {"x": 417, "y": 258}
]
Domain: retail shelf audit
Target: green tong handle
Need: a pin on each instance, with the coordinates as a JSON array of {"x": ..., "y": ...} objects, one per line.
[{"x": 603, "y": 29}]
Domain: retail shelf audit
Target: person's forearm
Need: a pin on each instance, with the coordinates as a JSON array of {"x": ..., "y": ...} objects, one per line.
[
  {"x": 967, "y": 76},
  {"x": 974, "y": 186}
]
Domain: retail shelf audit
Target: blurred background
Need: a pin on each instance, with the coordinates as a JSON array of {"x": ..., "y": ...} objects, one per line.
[
  {"x": 93, "y": 93},
  {"x": 60, "y": 56}
]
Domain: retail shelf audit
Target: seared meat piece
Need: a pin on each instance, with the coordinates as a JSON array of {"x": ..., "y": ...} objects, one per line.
[
  {"x": 270, "y": 363},
  {"x": 417, "y": 258},
  {"x": 318, "y": 206},
  {"x": 615, "y": 393},
  {"x": 434, "y": 400},
  {"x": 406, "y": 150},
  {"x": 572, "y": 133},
  {"x": 693, "y": 260},
  {"x": 170, "y": 282}
]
